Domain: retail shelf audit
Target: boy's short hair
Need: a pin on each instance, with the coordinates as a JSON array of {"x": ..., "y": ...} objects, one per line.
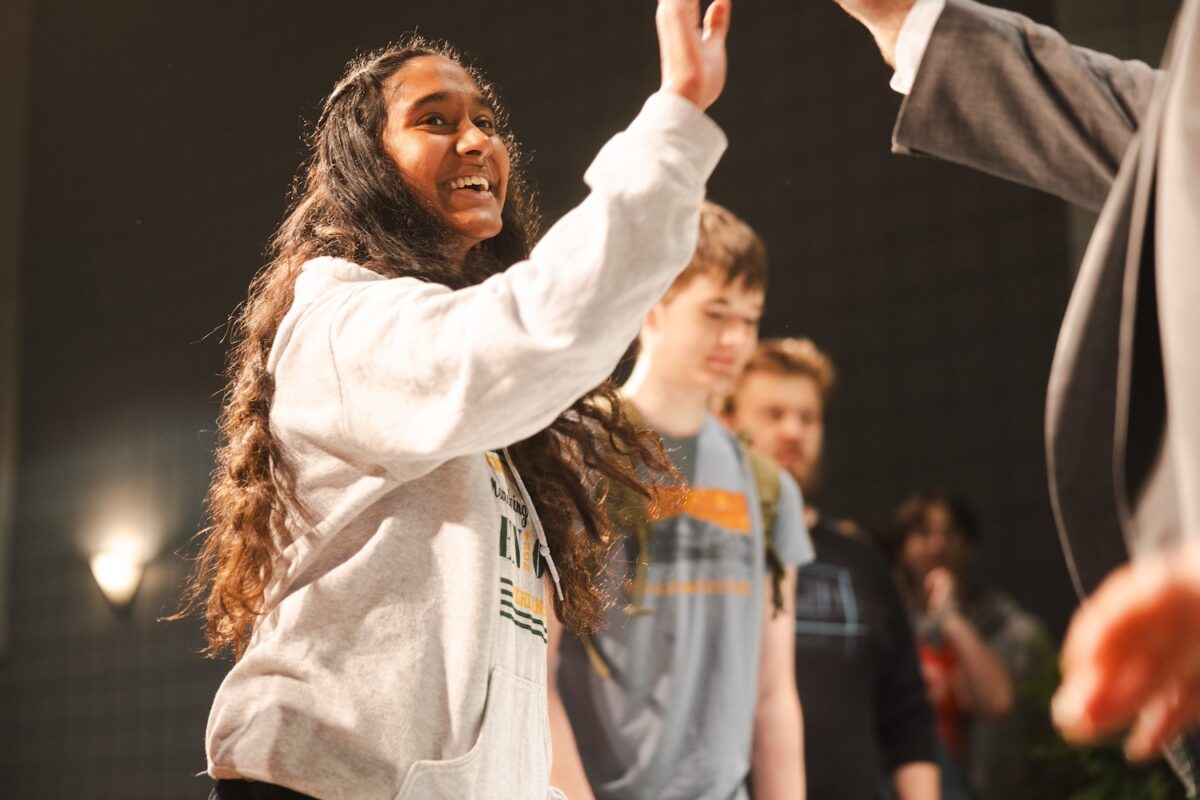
[
  {"x": 788, "y": 357},
  {"x": 728, "y": 249}
]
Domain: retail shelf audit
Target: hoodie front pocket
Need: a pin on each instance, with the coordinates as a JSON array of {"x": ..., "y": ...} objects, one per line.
[{"x": 508, "y": 759}]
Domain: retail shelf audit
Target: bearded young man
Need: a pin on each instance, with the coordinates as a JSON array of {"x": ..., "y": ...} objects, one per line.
[{"x": 865, "y": 710}]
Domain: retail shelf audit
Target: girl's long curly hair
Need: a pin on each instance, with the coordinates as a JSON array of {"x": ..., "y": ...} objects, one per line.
[{"x": 352, "y": 203}]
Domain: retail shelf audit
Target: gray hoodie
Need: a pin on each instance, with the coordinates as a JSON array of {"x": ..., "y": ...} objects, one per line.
[{"x": 404, "y": 651}]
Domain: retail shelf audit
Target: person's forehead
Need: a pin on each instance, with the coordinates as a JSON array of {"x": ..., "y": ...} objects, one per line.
[
  {"x": 939, "y": 517},
  {"x": 792, "y": 389},
  {"x": 425, "y": 75},
  {"x": 712, "y": 287},
  {"x": 939, "y": 513}
]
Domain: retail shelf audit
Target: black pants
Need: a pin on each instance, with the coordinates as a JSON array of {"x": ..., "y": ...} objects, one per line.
[{"x": 253, "y": 790}]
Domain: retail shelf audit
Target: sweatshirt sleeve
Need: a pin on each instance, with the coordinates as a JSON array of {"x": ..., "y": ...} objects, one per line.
[{"x": 421, "y": 373}]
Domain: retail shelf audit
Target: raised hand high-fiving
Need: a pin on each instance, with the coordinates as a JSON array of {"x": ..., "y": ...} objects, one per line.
[{"x": 693, "y": 57}]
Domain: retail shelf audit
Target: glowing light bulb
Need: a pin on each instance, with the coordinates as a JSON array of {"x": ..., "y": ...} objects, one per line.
[{"x": 118, "y": 573}]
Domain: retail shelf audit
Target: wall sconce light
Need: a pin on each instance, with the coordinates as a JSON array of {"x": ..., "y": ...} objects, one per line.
[
  {"x": 123, "y": 537},
  {"x": 117, "y": 573}
]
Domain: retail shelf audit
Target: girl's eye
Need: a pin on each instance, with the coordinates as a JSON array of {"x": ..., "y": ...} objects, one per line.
[
  {"x": 434, "y": 119},
  {"x": 485, "y": 124}
]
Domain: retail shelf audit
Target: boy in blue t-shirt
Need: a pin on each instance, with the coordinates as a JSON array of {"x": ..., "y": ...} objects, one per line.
[{"x": 690, "y": 683}]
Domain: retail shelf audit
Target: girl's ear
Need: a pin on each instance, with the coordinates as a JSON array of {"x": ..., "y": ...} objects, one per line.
[{"x": 652, "y": 322}]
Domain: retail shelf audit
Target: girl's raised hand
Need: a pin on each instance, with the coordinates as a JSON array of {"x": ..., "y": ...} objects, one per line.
[{"x": 693, "y": 58}]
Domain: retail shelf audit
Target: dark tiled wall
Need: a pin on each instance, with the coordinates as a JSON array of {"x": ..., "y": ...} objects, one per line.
[
  {"x": 15, "y": 25},
  {"x": 163, "y": 138}
]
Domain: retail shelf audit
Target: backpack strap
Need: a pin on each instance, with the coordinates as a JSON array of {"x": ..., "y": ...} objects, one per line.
[
  {"x": 597, "y": 661},
  {"x": 770, "y": 488}
]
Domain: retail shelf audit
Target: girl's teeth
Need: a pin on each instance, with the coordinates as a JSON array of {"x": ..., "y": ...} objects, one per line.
[{"x": 462, "y": 183}]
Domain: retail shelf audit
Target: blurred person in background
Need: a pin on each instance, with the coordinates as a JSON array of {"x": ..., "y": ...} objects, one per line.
[
  {"x": 868, "y": 723},
  {"x": 977, "y": 646}
]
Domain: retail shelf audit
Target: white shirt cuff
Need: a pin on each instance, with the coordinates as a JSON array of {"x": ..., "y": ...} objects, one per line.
[{"x": 912, "y": 40}]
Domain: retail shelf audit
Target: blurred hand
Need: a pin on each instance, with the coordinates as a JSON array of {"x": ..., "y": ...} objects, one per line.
[
  {"x": 883, "y": 19},
  {"x": 693, "y": 59},
  {"x": 941, "y": 592},
  {"x": 1132, "y": 654}
]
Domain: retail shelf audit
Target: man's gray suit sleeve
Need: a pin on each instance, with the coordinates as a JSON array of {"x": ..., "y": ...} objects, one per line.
[{"x": 997, "y": 92}]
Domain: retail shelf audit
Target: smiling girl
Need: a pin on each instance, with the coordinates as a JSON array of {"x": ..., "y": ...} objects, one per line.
[{"x": 411, "y": 429}]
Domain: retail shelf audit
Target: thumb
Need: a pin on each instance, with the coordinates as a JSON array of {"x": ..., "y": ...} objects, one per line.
[{"x": 716, "y": 20}]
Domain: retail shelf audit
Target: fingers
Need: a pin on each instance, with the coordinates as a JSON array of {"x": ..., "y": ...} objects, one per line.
[
  {"x": 677, "y": 22},
  {"x": 687, "y": 12},
  {"x": 1166, "y": 716},
  {"x": 1109, "y": 659},
  {"x": 1125, "y": 686},
  {"x": 1098, "y": 699},
  {"x": 693, "y": 58},
  {"x": 1129, "y": 617},
  {"x": 1112, "y": 614},
  {"x": 939, "y": 589},
  {"x": 716, "y": 21},
  {"x": 1149, "y": 728},
  {"x": 936, "y": 579},
  {"x": 1133, "y": 653}
]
